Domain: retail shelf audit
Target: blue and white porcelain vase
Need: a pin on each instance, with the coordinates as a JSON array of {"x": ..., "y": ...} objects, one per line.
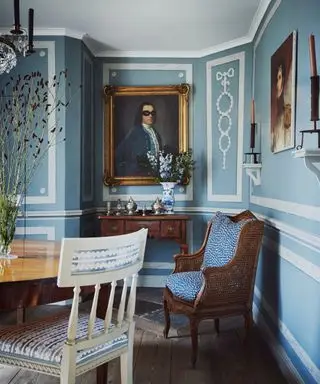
[{"x": 168, "y": 196}]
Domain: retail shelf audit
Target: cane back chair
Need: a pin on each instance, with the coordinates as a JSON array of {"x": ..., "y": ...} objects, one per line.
[
  {"x": 75, "y": 342},
  {"x": 218, "y": 280}
]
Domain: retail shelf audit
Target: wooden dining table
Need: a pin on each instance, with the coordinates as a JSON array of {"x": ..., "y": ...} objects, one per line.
[{"x": 31, "y": 280}]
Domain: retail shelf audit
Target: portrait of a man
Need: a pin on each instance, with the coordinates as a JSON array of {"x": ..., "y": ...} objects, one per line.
[
  {"x": 139, "y": 120},
  {"x": 146, "y": 133},
  {"x": 283, "y": 96}
]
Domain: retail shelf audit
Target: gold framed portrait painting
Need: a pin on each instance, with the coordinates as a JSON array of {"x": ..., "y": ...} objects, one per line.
[
  {"x": 283, "y": 95},
  {"x": 138, "y": 120}
]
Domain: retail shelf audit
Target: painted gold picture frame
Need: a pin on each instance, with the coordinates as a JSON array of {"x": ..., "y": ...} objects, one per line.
[{"x": 128, "y": 113}]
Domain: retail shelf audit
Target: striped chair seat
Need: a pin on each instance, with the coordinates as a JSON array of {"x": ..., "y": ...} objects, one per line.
[{"x": 42, "y": 341}]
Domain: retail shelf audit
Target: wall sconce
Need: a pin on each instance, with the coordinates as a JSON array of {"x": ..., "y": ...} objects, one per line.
[{"x": 252, "y": 160}]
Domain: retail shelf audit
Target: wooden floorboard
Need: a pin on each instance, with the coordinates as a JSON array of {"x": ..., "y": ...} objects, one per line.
[{"x": 228, "y": 358}]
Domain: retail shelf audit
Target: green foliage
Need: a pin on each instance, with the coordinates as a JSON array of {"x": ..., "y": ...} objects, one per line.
[{"x": 8, "y": 215}]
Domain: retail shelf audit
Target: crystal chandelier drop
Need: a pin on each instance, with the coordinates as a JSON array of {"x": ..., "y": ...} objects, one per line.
[{"x": 17, "y": 42}]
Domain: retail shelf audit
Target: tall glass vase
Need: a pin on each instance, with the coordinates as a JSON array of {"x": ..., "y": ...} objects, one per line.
[
  {"x": 168, "y": 196},
  {"x": 8, "y": 216}
]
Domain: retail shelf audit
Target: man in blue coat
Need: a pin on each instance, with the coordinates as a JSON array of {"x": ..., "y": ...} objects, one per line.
[{"x": 131, "y": 153}]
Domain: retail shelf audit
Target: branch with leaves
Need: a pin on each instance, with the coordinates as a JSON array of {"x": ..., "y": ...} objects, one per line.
[{"x": 30, "y": 107}]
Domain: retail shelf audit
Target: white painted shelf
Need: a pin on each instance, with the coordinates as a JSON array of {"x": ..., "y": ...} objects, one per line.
[
  {"x": 311, "y": 160},
  {"x": 254, "y": 172}
]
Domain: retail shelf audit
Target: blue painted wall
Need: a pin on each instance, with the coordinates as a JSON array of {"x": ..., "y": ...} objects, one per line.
[{"x": 288, "y": 279}]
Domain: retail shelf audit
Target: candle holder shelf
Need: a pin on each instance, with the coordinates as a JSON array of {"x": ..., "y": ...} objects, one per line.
[
  {"x": 253, "y": 170},
  {"x": 311, "y": 160}
]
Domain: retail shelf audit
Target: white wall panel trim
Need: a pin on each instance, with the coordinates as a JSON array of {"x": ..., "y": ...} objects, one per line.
[
  {"x": 50, "y": 198},
  {"x": 211, "y": 196},
  {"x": 188, "y": 68}
]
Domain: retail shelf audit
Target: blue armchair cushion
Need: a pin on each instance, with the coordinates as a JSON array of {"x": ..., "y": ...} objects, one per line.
[
  {"x": 222, "y": 241},
  {"x": 185, "y": 285}
]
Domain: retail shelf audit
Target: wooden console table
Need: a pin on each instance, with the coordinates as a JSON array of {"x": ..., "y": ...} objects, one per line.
[{"x": 159, "y": 226}]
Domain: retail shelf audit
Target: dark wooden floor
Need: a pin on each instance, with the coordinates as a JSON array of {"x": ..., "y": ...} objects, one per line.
[{"x": 226, "y": 358}]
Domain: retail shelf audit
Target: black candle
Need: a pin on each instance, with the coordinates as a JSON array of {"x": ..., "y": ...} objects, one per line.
[
  {"x": 252, "y": 135},
  {"x": 253, "y": 125},
  {"x": 30, "y": 31},
  {"x": 16, "y": 15}
]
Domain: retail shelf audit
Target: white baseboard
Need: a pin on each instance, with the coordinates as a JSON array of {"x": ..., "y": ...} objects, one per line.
[{"x": 287, "y": 368}]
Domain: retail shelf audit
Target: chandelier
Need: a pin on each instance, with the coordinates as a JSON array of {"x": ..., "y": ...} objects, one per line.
[{"x": 17, "y": 42}]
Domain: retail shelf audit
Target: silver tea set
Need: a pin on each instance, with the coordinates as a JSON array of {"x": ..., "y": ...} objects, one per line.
[{"x": 130, "y": 208}]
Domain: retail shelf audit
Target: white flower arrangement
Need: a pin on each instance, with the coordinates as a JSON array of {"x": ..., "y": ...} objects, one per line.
[{"x": 171, "y": 167}]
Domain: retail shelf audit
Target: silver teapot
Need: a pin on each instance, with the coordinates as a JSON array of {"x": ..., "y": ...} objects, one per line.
[
  {"x": 157, "y": 206},
  {"x": 131, "y": 206}
]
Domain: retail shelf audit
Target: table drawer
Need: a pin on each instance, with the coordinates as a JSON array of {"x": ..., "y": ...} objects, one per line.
[
  {"x": 112, "y": 227},
  {"x": 135, "y": 225},
  {"x": 171, "y": 228}
]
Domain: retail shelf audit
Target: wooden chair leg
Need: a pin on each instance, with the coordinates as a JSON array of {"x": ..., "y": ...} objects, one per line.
[
  {"x": 102, "y": 374},
  {"x": 167, "y": 319},
  {"x": 217, "y": 325},
  {"x": 248, "y": 321},
  {"x": 194, "y": 339}
]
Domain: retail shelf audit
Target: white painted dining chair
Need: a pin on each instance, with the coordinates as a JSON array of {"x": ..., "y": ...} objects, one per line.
[{"x": 68, "y": 345}]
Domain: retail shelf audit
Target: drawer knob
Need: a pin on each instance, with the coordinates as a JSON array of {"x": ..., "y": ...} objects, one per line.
[
  {"x": 170, "y": 229},
  {"x": 114, "y": 228}
]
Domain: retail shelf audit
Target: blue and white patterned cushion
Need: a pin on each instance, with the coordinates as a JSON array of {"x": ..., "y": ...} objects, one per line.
[
  {"x": 185, "y": 285},
  {"x": 222, "y": 241},
  {"x": 42, "y": 341}
]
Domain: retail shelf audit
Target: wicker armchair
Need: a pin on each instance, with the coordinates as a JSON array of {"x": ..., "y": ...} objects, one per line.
[{"x": 223, "y": 291}]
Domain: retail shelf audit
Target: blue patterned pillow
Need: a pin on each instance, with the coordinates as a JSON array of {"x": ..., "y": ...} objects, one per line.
[{"x": 222, "y": 241}]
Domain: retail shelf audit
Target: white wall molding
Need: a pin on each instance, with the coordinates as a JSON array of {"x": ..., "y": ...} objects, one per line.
[
  {"x": 211, "y": 196},
  {"x": 188, "y": 68},
  {"x": 152, "y": 281},
  {"x": 266, "y": 22},
  {"x": 59, "y": 32},
  {"x": 302, "y": 210},
  {"x": 298, "y": 349},
  {"x": 302, "y": 237},
  {"x": 48, "y": 231},
  {"x": 143, "y": 197},
  {"x": 50, "y": 198},
  {"x": 54, "y": 214},
  {"x": 158, "y": 265},
  {"x": 258, "y": 17},
  {"x": 101, "y": 210},
  {"x": 307, "y": 267}
]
